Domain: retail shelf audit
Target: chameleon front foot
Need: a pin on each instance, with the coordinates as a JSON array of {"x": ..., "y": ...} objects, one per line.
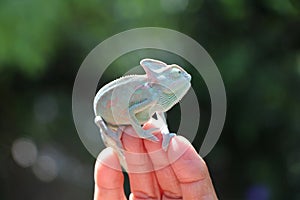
[
  {"x": 166, "y": 140},
  {"x": 148, "y": 134}
]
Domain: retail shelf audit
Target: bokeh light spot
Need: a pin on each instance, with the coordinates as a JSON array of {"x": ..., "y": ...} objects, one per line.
[
  {"x": 24, "y": 152},
  {"x": 258, "y": 192},
  {"x": 45, "y": 168}
]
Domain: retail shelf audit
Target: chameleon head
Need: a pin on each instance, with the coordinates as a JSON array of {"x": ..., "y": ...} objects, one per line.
[{"x": 171, "y": 81}]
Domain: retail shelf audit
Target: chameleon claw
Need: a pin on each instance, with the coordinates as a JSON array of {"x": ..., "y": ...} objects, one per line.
[
  {"x": 148, "y": 134},
  {"x": 154, "y": 139},
  {"x": 166, "y": 140}
]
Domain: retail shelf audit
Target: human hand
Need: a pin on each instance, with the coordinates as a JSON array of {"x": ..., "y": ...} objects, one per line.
[{"x": 179, "y": 173}]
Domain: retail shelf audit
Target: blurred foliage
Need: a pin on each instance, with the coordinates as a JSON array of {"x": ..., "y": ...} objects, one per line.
[{"x": 255, "y": 44}]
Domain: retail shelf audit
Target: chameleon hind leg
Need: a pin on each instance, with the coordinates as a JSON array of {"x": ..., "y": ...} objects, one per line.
[{"x": 112, "y": 139}]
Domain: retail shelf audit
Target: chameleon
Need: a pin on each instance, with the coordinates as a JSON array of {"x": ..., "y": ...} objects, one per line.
[{"x": 133, "y": 100}]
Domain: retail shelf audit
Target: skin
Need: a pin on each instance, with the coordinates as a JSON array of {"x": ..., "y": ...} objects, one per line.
[{"x": 175, "y": 174}]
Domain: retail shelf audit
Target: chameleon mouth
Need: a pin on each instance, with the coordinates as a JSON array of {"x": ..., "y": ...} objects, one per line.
[{"x": 189, "y": 77}]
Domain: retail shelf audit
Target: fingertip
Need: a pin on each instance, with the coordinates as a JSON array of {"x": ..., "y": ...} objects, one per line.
[
  {"x": 182, "y": 147},
  {"x": 108, "y": 158},
  {"x": 107, "y": 165},
  {"x": 147, "y": 125},
  {"x": 185, "y": 161},
  {"x": 105, "y": 154},
  {"x": 131, "y": 141},
  {"x": 179, "y": 143},
  {"x": 178, "y": 147}
]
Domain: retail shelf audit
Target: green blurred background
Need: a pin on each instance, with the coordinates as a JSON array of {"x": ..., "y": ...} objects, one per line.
[{"x": 255, "y": 44}]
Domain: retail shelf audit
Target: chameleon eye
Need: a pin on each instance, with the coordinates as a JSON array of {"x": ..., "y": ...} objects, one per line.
[{"x": 175, "y": 72}]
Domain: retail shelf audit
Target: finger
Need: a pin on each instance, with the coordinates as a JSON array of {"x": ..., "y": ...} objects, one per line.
[
  {"x": 108, "y": 176},
  {"x": 143, "y": 183},
  {"x": 191, "y": 170},
  {"x": 164, "y": 173},
  {"x": 132, "y": 197}
]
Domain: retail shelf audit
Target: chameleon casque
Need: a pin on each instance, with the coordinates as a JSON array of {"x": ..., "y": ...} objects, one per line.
[{"x": 134, "y": 99}]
